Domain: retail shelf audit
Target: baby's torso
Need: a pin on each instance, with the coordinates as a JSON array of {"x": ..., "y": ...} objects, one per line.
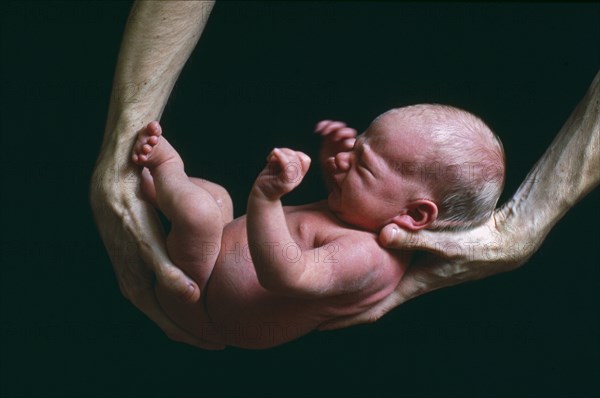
[{"x": 244, "y": 314}]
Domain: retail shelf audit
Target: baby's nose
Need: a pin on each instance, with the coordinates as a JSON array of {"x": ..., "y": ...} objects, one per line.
[{"x": 342, "y": 161}]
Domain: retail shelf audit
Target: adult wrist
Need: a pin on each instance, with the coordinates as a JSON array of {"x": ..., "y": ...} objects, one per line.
[{"x": 520, "y": 237}]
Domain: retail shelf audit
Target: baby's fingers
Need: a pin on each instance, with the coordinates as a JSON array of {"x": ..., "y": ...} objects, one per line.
[
  {"x": 293, "y": 164},
  {"x": 279, "y": 156},
  {"x": 347, "y": 144},
  {"x": 343, "y": 134},
  {"x": 321, "y": 125},
  {"x": 325, "y": 127},
  {"x": 304, "y": 161}
]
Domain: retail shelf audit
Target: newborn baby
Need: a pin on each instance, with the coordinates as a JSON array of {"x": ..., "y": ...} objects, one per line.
[{"x": 279, "y": 272}]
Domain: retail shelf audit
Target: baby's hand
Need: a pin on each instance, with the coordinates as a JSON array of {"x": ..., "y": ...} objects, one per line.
[
  {"x": 336, "y": 138},
  {"x": 284, "y": 171}
]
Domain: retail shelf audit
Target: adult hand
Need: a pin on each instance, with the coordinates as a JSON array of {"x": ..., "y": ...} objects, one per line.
[
  {"x": 568, "y": 170},
  {"x": 158, "y": 39},
  {"x": 134, "y": 240}
]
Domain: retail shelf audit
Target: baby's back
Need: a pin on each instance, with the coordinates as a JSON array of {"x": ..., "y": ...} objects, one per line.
[{"x": 242, "y": 313}]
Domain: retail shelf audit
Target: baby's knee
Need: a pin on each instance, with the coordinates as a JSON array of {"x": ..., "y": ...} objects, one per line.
[
  {"x": 223, "y": 200},
  {"x": 220, "y": 195},
  {"x": 200, "y": 215}
]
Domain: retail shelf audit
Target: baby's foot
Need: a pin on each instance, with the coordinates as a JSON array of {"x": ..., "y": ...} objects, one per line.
[{"x": 151, "y": 149}]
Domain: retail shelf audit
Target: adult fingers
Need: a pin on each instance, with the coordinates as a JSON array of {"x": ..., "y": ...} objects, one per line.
[
  {"x": 150, "y": 306},
  {"x": 393, "y": 237},
  {"x": 369, "y": 316},
  {"x": 482, "y": 242},
  {"x": 153, "y": 252}
]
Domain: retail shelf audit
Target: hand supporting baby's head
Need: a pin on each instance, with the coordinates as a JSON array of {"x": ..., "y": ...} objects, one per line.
[{"x": 422, "y": 166}]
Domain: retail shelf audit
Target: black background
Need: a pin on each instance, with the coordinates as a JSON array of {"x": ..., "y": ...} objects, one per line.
[{"x": 261, "y": 76}]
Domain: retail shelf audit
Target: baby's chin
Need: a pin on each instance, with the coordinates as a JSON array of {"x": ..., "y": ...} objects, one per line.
[
  {"x": 333, "y": 202},
  {"x": 349, "y": 217}
]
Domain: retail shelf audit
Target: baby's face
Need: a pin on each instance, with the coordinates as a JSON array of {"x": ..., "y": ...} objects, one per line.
[{"x": 368, "y": 189}]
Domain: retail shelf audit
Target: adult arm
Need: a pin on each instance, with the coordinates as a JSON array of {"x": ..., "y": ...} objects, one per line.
[
  {"x": 158, "y": 39},
  {"x": 568, "y": 170}
]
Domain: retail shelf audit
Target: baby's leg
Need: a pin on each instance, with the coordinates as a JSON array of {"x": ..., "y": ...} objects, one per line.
[
  {"x": 219, "y": 194},
  {"x": 196, "y": 218}
]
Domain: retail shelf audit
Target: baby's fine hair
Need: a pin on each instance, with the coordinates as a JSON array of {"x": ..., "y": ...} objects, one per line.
[{"x": 465, "y": 164}]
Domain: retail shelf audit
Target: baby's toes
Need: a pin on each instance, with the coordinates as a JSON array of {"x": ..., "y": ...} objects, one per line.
[
  {"x": 154, "y": 128},
  {"x": 142, "y": 148},
  {"x": 153, "y": 140},
  {"x": 147, "y": 148}
]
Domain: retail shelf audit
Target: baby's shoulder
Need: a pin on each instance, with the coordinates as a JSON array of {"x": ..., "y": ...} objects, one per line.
[
  {"x": 363, "y": 247},
  {"x": 361, "y": 244},
  {"x": 311, "y": 224},
  {"x": 318, "y": 222}
]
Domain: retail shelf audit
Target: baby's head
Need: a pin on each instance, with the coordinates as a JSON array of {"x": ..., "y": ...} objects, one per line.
[{"x": 421, "y": 166}]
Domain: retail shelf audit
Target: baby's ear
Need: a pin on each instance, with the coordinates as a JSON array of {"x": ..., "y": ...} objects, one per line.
[{"x": 417, "y": 215}]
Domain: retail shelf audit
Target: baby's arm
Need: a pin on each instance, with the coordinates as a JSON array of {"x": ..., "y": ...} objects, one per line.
[{"x": 282, "y": 266}]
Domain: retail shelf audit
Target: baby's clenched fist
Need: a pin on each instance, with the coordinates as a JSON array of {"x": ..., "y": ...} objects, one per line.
[{"x": 284, "y": 171}]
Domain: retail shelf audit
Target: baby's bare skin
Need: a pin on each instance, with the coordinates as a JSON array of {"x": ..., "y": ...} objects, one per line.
[{"x": 352, "y": 270}]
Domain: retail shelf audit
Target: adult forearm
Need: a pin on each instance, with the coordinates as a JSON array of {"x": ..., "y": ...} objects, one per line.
[
  {"x": 158, "y": 40},
  {"x": 568, "y": 170}
]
